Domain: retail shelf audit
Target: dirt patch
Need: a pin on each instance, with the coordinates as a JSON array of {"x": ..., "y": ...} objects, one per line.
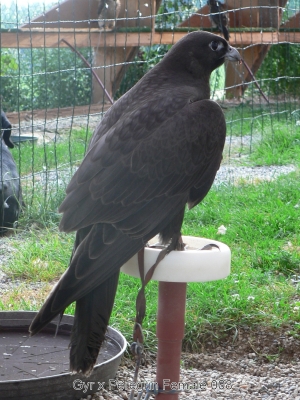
[{"x": 264, "y": 344}]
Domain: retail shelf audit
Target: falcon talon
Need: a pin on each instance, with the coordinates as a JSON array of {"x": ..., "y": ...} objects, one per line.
[
  {"x": 157, "y": 246},
  {"x": 136, "y": 349}
]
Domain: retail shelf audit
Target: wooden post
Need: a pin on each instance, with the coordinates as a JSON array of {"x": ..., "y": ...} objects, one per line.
[
  {"x": 170, "y": 332},
  {"x": 110, "y": 62},
  {"x": 236, "y": 74}
]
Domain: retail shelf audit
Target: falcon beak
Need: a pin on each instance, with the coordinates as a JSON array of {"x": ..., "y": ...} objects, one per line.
[{"x": 232, "y": 54}]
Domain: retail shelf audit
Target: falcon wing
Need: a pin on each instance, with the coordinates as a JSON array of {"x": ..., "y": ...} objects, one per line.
[{"x": 126, "y": 174}]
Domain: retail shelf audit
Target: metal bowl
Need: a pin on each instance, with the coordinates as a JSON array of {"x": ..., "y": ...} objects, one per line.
[
  {"x": 22, "y": 139},
  {"x": 37, "y": 367}
]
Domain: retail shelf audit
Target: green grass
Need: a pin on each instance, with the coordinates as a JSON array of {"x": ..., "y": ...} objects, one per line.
[
  {"x": 262, "y": 221},
  {"x": 42, "y": 255},
  {"x": 262, "y": 224},
  {"x": 248, "y": 119},
  {"x": 280, "y": 146},
  {"x": 46, "y": 169},
  {"x": 41, "y": 206},
  {"x": 68, "y": 149},
  {"x": 273, "y": 131}
]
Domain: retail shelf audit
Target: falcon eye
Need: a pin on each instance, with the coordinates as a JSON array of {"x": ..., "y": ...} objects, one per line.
[{"x": 216, "y": 45}]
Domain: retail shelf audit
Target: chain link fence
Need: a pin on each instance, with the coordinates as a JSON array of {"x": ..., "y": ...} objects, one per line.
[{"x": 53, "y": 96}]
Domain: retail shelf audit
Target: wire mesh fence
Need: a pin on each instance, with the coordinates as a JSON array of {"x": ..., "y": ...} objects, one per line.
[{"x": 53, "y": 98}]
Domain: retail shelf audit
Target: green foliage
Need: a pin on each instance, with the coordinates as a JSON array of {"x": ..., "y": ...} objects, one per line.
[
  {"x": 40, "y": 78},
  {"x": 146, "y": 58},
  {"x": 172, "y": 12},
  {"x": 44, "y": 78},
  {"x": 17, "y": 13},
  {"x": 8, "y": 61},
  {"x": 280, "y": 70}
]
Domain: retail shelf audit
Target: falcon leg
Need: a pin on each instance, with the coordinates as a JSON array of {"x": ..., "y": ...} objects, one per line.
[{"x": 176, "y": 243}]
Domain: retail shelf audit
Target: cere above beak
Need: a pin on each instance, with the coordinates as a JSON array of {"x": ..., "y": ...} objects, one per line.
[{"x": 232, "y": 54}]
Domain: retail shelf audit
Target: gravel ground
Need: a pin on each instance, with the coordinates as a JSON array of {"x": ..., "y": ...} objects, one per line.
[
  {"x": 218, "y": 376},
  {"x": 251, "y": 174},
  {"x": 226, "y": 174},
  {"x": 259, "y": 364},
  {"x": 47, "y": 130}
]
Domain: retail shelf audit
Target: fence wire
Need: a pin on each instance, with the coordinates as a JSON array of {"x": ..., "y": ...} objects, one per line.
[{"x": 54, "y": 103}]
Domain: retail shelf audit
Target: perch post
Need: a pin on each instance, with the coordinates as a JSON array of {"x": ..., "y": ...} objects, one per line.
[
  {"x": 170, "y": 332},
  {"x": 173, "y": 273}
]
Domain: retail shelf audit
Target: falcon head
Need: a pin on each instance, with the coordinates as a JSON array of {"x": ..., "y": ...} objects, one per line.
[{"x": 200, "y": 53}]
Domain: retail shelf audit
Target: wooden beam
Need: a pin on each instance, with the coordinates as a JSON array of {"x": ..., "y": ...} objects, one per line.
[
  {"x": 242, "y": 13},
  {"x": 199, "y": 20},
  {"x": 77, "y": 14},
  {"x": 82, "y": 38},
  {"x": 254, "y": 13},
  {"x": 85, "y": 38}
]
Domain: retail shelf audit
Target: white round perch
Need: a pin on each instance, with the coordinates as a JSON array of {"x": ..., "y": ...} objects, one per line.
[{"x": 191, "y": 265}]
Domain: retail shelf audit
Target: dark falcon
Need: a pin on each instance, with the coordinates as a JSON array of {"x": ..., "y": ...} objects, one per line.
[
  {"x": 10, "y": 190},
  {"x": 219, "y": 16},
  {"x": 157, "y": 149},
  {"x": 108, "y": 12}
]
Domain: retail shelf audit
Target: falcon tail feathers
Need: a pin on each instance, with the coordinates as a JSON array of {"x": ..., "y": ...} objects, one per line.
[
  {"x": 90, "y": 325},
  {"x": 225, "y": 32},
  {"x": 45, "y": 315},
  {"x": 85, "y": 274}
]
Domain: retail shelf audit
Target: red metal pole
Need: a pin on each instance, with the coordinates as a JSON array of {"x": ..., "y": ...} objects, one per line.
[{"x": 170, "y": 332}]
